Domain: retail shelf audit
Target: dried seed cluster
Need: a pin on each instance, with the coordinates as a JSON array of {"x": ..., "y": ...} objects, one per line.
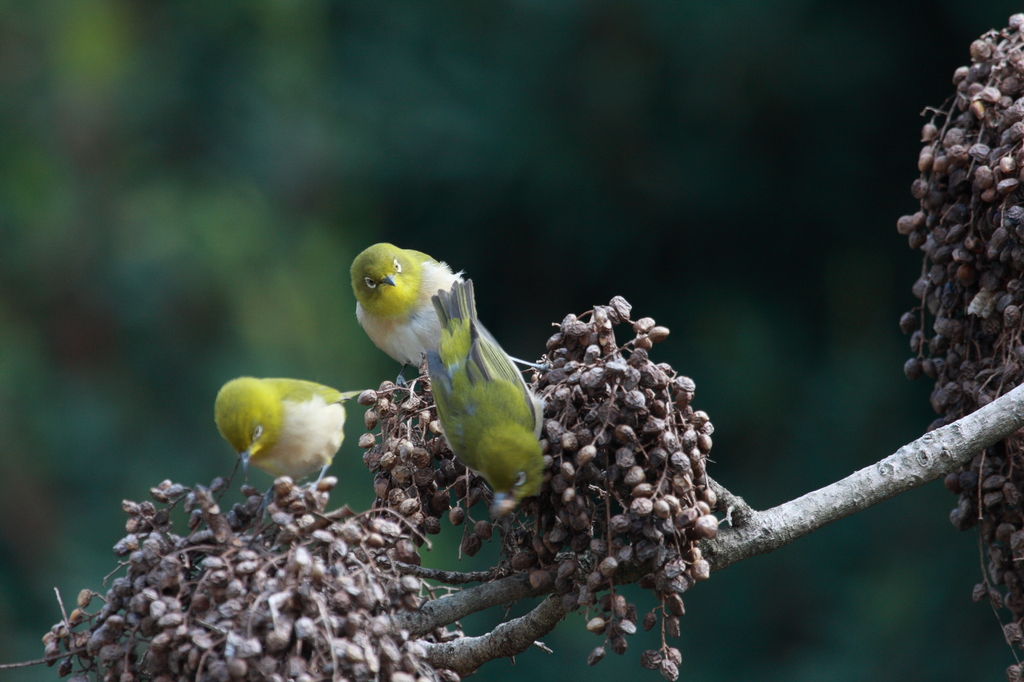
[
  {"x": 966, "y": 333},
  {"x": 414, "y": 469},
  {"x": 308, "y": 596},
  {"x": 625, "y": 481}
]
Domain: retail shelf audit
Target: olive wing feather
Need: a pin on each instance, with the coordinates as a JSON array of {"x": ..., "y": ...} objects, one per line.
[{"x": 296, "y": 390}]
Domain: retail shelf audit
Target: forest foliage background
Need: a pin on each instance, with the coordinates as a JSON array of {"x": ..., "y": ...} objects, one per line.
[{"x": 184, "y": 184}]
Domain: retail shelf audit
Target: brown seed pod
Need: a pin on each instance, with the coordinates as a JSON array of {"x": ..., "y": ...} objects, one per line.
[
  {"x": 585, "y": 455},
  {"x": 370, "y": 419},
  {"x": 658, "y": 334},
  {"x": 912, "y": 368},
  {"x": 608, "y": 566},
  {"x": 706, "y": 526},
  {"x": 471, "y": 544},
  {"x": 540, "y": 579}
]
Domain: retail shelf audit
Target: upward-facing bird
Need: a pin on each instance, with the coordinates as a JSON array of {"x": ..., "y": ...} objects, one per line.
[
  {"x": 490, "y": 418},
  {"x": 393, "y": 288},
  {"x": 286, "y": 427}
]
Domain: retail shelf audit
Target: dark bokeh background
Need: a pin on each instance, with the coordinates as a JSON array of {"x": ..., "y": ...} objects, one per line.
[{"x": 184, "y": 184}]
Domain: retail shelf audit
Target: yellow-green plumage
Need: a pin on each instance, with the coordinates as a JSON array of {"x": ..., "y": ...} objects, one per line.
[
  {"x": 286, "y": 427},
  {"x": 393, "y": 288},
  {"x": 490, "y": 418}
]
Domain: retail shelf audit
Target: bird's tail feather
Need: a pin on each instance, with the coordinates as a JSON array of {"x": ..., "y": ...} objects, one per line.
[{"x": 456, "y": 304}]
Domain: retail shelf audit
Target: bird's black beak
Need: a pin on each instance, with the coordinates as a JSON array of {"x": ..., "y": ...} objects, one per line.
[
  {"x": 389, "y": 280},
  {"x": 244, "y": 456}
]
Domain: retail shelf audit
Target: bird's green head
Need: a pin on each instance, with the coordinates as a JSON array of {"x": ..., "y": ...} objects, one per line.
[
  {"x": 510, "y": 459},
  {"x": 249, "y": 415},
  {"x": 386, "y": 279}
]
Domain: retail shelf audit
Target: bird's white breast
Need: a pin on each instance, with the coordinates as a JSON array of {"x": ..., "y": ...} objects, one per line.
[
  {"x": 407, "y": 338},
  {"x": 311, "y": 434}
]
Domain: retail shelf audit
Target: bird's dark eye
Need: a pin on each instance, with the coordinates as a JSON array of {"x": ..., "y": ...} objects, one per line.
[
  {"x": 398, "y": 266},
  {"x": 257, "y": 432},
  {"x": 370, "y": 283},
  {"x": 520, "y": 479}
]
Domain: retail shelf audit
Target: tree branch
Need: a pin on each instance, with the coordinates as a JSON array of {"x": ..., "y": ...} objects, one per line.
[
  {"x": 931, "y": 456},
  {"x": 737, "y": 511},
  {"x": 466, "y": 654},
  {"x": 448, "y": 609},
  {"x": 448, "y": 577}
]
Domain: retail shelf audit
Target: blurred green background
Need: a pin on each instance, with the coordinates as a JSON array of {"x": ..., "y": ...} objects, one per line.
[{"x": 184, "y": 184}]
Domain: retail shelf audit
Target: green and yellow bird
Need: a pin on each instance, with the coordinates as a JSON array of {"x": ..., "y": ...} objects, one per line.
[
  {"x": 490, "y": 418},
  {"x": 393, "y": 288},
  {"x": 286, "y": 427}
]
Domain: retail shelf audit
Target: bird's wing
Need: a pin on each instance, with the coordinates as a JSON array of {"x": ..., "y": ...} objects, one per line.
[
  {"x": 489, "y": 356},
  {"x": 297, "y": 390},
  {"x": 467, "y": 349},
  {"x": 488, "y": 362}
]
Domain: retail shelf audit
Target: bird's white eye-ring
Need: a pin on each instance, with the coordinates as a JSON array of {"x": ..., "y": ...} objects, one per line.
[
  {"x": 370, "y": 283},
  {"x": 398, "y": 266},
  {"x": 520, "y": 479},
  {"x": 257, "y": 432}
]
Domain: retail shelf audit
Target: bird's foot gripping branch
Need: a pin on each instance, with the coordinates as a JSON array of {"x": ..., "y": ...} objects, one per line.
[{"x": 625, "y": 495}]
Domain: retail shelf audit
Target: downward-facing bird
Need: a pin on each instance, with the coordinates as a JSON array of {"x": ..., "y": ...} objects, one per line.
[
  {"x": 490, "y": 418},
  {"x": 286, "y": 427},
  {"x": 393, "y": 288}
]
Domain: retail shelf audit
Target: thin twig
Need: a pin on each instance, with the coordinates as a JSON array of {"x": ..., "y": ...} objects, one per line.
[
  {"x": 449, "y": 577},
  {"x": 466, "y": 654},
  {"x": 325, "y": 619},
  {"x": 62, "y": 611},
  {"x": 211, "y": 626},
  {"x": 40, "y": 661}
]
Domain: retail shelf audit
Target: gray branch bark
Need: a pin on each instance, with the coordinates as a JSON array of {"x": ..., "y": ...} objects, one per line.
[
  {"x": 466, "y": 654},
  {"x": 448, "y": 577},
  {"x": 448, "y": 609},
  {"x": 931, "y": 456}
]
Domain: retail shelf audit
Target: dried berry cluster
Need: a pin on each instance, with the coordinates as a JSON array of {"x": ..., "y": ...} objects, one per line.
[
  {"x": 624, "y": 486},
  {"x": 406, "y": 479},
  {"x": 966, "y": 334},
  {"x": 307, "y": 596}
]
